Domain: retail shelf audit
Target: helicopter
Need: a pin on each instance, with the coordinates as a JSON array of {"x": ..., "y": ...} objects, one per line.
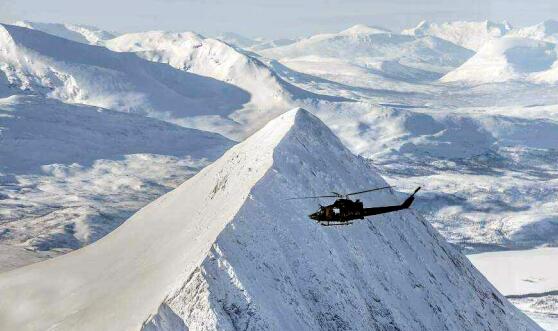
[{"x": 345, "y": 211}]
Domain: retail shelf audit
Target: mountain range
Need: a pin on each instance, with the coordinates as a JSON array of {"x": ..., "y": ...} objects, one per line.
[{"x": 95, "y": 125}]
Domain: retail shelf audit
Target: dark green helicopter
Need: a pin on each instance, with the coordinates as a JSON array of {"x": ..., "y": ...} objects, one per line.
[{"x": 344, "y": 210}]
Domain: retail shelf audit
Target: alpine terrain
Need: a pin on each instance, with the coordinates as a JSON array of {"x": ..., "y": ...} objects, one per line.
[
  {"x": 226, "y": 250},
  {"x": 96, "y": 125}
]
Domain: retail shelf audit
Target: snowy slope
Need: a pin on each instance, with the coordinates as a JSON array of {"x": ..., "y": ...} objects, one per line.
[
  {"x": 213, "y": 58},
  {"x": 36, "y": 62},
  {"x": 70, "y": 174},
  {"x": 545, "y": 31},
  {"x": 369, "y": 46},
  {"x": 269, "y": 94},
  {"x": 471, "y": 35},
  {"x": 31, "y": 125},
  {"x": 508, "y": 59},
  {"x": 75, "y": 32},
  {"x": 378, "y": 132},
  {"x": 226, "y": 251}
]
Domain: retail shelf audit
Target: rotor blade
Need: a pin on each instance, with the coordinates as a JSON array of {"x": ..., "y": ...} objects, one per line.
[
  {"x": 319, "y": 196},
  {"x": 339, "y": 195},
  {"x": 371, "y": 190}
]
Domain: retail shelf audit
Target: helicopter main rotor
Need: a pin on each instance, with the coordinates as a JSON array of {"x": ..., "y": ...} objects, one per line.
[{"x": 342, "y": 196}]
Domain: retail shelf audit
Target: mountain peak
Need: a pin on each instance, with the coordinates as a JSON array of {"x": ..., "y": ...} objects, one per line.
[
  {"x": 364, "y": 29},
  {"x": 297, "y": 118},
  {"x": 298, "y": 124},
  {"x": 418, "y": 30}
]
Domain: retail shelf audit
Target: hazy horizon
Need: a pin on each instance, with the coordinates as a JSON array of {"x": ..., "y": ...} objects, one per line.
[{"x": 272, "y": 19}]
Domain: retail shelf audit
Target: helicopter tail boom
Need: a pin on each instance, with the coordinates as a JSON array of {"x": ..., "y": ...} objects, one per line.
[
  {"x": 409, "y": 201},
  {"x": 388, "y": 209}
]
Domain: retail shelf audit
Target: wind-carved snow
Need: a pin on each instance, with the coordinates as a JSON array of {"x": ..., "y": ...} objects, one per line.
[
  {"x": 234, "y": 254},
  {"x": 471, "y": 35}
]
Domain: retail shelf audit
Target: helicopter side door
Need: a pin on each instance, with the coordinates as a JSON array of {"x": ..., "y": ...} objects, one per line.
[{"x": 331, "y": 212}]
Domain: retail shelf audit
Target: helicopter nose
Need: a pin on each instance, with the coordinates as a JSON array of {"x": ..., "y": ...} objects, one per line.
[{"x": 313, "y": 216}]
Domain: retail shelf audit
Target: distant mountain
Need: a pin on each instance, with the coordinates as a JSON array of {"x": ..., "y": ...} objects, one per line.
[
  {"x": 192, "y": 52},
  {"x": 471, "y": 35},
  {"x": 75, "y": 32},
  {"x": 545, "y": 31},
  {"x": 39, "y": 63},
  {"x": 509, "y": 59},
  {"x": 269, "y": 94},
  {"x": 364, "y": 58},
  {"x": 226, "y": 251},
  {"x": 237, "y": 40},
  {"x": 366, "y": 45},
  {"x": 265, "y": 44},
  {"x": 257, "y": 44}
]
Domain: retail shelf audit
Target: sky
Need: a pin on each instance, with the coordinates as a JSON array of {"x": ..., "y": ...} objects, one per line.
[{"x": 272, "y": 18}]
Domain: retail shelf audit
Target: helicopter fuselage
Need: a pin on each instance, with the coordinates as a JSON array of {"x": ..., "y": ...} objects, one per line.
[{"x": 341, "y": 211}]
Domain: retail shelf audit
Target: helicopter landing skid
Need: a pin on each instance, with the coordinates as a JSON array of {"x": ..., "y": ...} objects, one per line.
[{"x": 334, "y": 223}]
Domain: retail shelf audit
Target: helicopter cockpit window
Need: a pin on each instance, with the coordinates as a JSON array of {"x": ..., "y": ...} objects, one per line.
[{"x": 336, "y": 211}]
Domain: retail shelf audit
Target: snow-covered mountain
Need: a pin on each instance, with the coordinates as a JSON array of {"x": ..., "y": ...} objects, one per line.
[
  {"x": 237, "y": 40},
  {"x": 369, "y": 45},
  {"x": 507, "y": 59},
  {"x": 366, "y": 60},
  {"x": 76, "y": 32},
  {"x": 265, "y": 44},
  {"x": 269, "y": 94},
  {"x": 39, "y": 63},
  {"x": 545, "y": 31},
  {"x": 471, "y": 35},
  {"x": 69, "y": 174},
  {"x": 257, "y": 44},
  {"x": 484, "y": 151},
  {"x": 226, "y": 251}
]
